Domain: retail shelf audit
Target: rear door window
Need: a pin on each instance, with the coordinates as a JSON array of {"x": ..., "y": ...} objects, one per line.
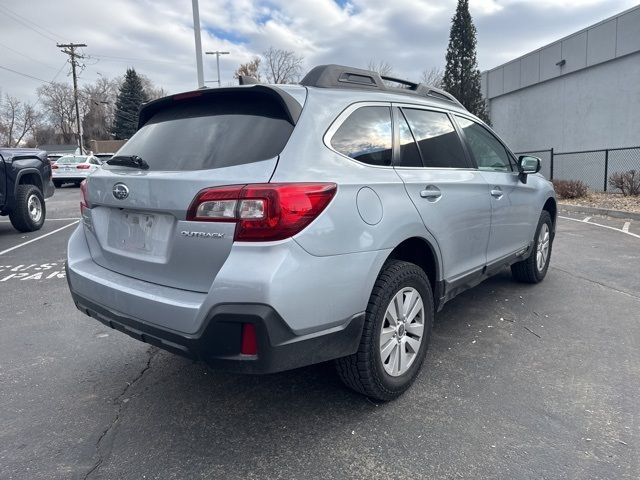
[
  {"x": 214, "y": 132},
  {"x": 366, "y": 136},
  {"x": 437, "y": 139}
]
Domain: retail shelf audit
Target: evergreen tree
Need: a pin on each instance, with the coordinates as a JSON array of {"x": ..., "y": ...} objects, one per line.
[
  {"x": 461, "y": 76},
  {"x": 130, "y": 98}
]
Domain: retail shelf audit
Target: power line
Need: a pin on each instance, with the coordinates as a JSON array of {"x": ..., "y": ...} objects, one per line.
[
  {"x": 147, "y": 60},
  {"x": 26, "y": 56},
  {"x": 23, "y": 20},
  {"x": 70, "y": 49},
  {"x": 17, "y": 18},
  {"x": 25, "y": 74}
]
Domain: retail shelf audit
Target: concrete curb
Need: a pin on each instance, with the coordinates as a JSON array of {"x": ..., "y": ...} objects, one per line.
[{"x": 599, "y": 211}]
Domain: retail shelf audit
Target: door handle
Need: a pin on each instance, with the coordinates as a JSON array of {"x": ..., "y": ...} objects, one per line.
[
  {"x": 431, "y": 192},
  {"x": 496, "y": 193}
]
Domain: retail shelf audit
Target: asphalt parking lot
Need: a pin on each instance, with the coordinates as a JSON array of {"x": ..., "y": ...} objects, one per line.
[{"x": 520, "y": 382}]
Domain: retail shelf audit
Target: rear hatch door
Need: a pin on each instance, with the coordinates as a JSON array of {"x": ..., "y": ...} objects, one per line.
[{"x": 136, "y": 224}]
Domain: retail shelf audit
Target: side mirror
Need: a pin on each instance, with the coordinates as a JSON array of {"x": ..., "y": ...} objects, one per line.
[{"x": 527, "y": 165}]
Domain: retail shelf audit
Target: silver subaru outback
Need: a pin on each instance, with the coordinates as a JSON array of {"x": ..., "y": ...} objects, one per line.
[{"x": 261, "y": 228}]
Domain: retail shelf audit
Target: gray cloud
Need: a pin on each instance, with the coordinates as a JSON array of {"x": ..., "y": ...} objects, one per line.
[{"x": 156, "y": 37}]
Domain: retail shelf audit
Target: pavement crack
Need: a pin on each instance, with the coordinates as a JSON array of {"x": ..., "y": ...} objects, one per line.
[
  {"x": 119, "y": 401},
  {"x": 597, "y": 283}
]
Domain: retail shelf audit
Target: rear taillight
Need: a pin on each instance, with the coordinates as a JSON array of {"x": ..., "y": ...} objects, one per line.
[
  {"x": 84, "y": 202},
  {"x": 83, "y": 166},
  {"x": 264, "y": 211},
  {"x": 54, "y": 166}
]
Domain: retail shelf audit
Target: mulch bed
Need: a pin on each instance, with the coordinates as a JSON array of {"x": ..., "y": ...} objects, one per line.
[{"x": 609, "y": 201}]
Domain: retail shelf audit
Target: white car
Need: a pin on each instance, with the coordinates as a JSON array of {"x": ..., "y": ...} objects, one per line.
[{"x": 74, "y": 168}]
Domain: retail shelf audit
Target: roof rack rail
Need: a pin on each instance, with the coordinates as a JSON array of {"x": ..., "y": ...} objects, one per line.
[{"x": 339, "y": 76}]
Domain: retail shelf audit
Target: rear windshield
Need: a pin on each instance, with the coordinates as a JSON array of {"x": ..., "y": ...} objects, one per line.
[
  {"x": 215, "y": 132},
  {"x": 71, "y": 159}
]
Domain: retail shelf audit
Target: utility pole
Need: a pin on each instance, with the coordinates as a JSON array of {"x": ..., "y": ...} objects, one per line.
[
  {"x": 217, "y": 54},
  {"x": 196, "y": 33},
  {"x": 70, "y": 49}
]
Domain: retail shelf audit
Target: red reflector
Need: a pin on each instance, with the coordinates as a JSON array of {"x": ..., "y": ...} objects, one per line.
[
  {"x": 84, "y": 202},
  {"x": 249, "y": 339},
  {"x": 83, "y": 166},
  {"x": 263, "y": 211}
]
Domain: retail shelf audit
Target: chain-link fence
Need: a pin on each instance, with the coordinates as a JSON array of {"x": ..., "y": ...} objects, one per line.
[{"x": 593, "y": 167}]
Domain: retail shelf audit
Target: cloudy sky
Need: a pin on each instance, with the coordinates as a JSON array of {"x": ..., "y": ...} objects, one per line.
[{"x": 156, "y": 36}]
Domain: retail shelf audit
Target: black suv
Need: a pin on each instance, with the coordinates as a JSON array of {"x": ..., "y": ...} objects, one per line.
[{"x": 25, "y": 181}]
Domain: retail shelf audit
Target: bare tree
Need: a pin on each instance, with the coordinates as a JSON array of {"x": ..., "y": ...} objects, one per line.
[
  {"x": 381, "y": 67},
  {"x": 152, "y": 90},
  {"x": 57, "y": 98},
  {"x": 432, "y": 77},
  {"x": 16, "y": 121},
  {"x": 98, "y": 105},
  {"x": 249, "y": 69},
  {"x": 282, "y": 66}
]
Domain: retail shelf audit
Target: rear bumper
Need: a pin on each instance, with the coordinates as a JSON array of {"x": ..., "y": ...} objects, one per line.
[{"x": 218, "y": 342}]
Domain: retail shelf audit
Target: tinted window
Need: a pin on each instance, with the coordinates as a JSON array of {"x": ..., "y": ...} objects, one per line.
[
  {"x": 485, "y": 147},
  {"x": 438, "y": 140},
  {"x": 221, "y": 131},
  {"x": 409, "y": 154},
  {"x": 366, "y": 136}
]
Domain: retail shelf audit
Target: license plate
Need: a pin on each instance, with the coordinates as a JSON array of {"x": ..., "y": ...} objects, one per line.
[{"x": 138, "y": 233}]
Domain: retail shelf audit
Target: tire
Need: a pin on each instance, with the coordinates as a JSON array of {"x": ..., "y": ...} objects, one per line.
[
  {"x": 366, "y": 371},
  {"x": 530, "y": 270},
  {"x": 57, "y": 183},
  {"x": 30, "y": 211}
]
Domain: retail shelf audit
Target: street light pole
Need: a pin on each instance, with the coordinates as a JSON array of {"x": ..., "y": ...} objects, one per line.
[
  {"x": 217, "y": 53},
  {"x": 196, "y": 33}
]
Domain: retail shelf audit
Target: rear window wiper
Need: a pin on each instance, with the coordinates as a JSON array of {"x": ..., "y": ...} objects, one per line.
[{"x": 133, "y": 161}]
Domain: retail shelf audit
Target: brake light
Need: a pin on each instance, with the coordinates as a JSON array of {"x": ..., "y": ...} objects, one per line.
[
  {"x": 84, "y": 202},
  {"x": 83, "y": 166},
  {"x": 263, "y": 211},
  {"x": 54, "y": 166}
]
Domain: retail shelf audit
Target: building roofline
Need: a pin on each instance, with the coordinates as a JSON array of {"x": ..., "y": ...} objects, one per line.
[{"x": 566, "y": 37}]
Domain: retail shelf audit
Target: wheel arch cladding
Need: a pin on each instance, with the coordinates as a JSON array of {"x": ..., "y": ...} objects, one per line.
[
  {"x": 551, "y": 207},
  {"x": 30, "y": 177},
  {"x": 420, "y": 252}
]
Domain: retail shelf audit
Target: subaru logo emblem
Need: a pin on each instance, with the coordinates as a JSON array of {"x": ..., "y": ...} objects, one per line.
[{"x": 120, "y": 191}]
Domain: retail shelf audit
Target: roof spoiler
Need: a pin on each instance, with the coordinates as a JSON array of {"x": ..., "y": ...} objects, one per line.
[{"x": 289, "y": 104}]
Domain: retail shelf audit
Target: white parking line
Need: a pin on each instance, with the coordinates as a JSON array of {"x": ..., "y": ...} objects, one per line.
[
  {"x": 625, "y": 227},
  {"x": 586, "y": 219},
  {"x": 37, "y": 238},
  {"x": 603, "y": 226}
]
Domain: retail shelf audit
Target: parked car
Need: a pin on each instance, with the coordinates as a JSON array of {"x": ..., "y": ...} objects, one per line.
[
  {"x": 53, "y": 157},
  {"x": 263, "y": 228},
  {"x": 74, "y": 168},
  {"x": 25, "y": 182}
]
